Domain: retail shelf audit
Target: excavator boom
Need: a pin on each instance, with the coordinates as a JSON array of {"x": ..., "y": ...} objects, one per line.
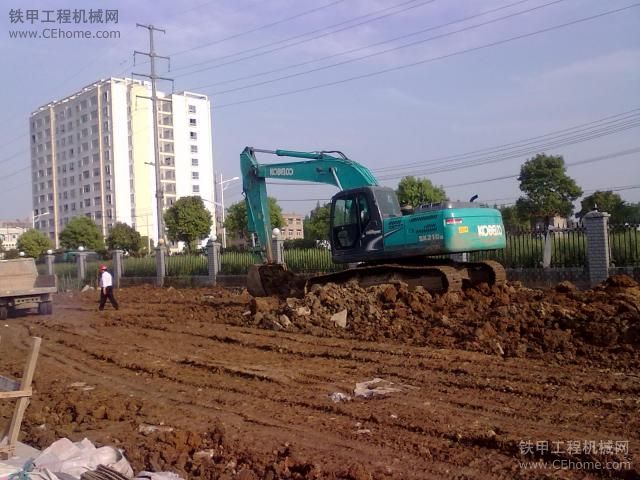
[{"x": 318, "y": 167}]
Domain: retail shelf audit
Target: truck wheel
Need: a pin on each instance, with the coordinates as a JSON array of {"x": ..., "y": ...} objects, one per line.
[
  {"x": 45, "y": 308},
  {"x": 4, "y": 313}
]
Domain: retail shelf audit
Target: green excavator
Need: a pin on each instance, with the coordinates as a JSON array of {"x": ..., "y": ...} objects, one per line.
[{"x": 370, "y": 232}]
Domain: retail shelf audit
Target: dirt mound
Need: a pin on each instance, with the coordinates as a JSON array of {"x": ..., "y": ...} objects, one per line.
[{"x": 510, "y": 320}]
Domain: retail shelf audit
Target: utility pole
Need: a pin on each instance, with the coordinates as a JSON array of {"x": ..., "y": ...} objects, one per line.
[{"x": 154, "y": 100}]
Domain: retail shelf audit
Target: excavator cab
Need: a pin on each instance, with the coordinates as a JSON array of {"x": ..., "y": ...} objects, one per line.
[{"x": 356, "y": 222}]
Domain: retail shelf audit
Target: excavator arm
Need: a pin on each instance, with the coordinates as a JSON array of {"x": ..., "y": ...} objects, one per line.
[{"x": 318, "y": 167}]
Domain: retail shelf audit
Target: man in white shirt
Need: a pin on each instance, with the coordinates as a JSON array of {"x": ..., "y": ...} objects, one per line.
[{"x": 106, "y": 288}]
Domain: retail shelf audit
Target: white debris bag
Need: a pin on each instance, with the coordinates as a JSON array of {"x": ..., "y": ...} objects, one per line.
[
  {"x": 378, "y": 387},
  {"x": 64, "y": 456}
]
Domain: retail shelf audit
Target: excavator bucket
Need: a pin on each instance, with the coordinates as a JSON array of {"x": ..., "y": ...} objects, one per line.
[{"x": 273, "y": 280}]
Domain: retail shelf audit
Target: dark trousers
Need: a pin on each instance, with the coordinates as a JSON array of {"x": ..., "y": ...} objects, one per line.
[{"x": 107, "y": 293}]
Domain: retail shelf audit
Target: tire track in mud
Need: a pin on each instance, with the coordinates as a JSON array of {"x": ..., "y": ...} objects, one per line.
[
  {"x": 482, "y": 441},
  {"x": 247, "y": 418},
  {"x": 273, "y": 386}
]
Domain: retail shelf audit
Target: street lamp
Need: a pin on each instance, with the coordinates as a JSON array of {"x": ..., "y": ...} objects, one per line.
[
  {"x": 34, "y": 216},
  {"x": 223, "y": 185}
]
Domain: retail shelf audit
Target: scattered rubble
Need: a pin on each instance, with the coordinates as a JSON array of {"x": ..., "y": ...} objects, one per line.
[{"x": 509, "y": 321}]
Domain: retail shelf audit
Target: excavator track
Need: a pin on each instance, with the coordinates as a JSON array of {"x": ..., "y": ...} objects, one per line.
[
  {"x": 275, "y": 280},
  {"x": 436, "y": 278},
  {"x": 487, "y": 271}
]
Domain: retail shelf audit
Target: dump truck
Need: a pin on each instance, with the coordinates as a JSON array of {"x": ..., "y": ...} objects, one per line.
[
  {"x": 21, "y": 288},
  {"x": 368, "y": 228}
]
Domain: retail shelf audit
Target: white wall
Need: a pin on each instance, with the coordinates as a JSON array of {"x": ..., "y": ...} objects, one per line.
[{"x": 120, "y": 152}]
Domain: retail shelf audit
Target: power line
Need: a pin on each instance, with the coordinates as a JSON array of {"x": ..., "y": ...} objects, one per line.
[
  {"x": 256, "y": 29},
  {"x": 517, "y": 154},
  {"x": 428, "y": 60},
  {"x": 4, "y": 160},
  {"x": 521, "y": 143},
  {"x": 348, "y": 27},
  {"x": 584, "y": 193},
  {"x": 389, "y": 50},
  {"x": 346, "y": 52},
  {"x": 569, "y": 164}
]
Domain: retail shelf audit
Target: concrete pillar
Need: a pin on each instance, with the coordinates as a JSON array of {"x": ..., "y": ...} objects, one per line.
[
  {"x": 81, "y": 260},
  {"x": 116, "y": 256},
  {"x": 161, "y": 265},
  {"x": 278, "y": 250},
  {"x": 548, "y": 248},
  {"x": 213, "y": 260},
  {"x": 48, "y": 260},
  {"x": 597, "y": 225}
]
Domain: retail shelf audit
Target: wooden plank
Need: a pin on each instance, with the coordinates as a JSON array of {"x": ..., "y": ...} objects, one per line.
[
  {"x": 21, "y": 403},
  {"x": 16, "y": 394}
]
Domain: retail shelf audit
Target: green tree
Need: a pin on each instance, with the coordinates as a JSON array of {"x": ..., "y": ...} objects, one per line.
[
  {"x": 33, "y": 243},
  {"x": 548, "y": 190},
  {"x": 632, "y": 213},
  {"x": 188, "y": 221},
  {"x": 82, "y": 231},
  {"x": 236, "y": 217},
  {"x": 605, "y": 201},
  {"x": 316, "y": 224},
  {"x": 512, "y": 218},
  {"x": 415, "y": 191},
  {"x": 124, "y": 237}
]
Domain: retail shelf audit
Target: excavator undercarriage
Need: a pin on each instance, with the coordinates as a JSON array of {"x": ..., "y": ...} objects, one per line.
[{"x": 275, "y": 280}]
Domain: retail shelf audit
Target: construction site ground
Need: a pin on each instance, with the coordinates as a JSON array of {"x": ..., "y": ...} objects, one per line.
[{"x": 209, "y": 383}]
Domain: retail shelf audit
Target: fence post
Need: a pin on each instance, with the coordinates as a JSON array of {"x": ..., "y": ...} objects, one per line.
[
  {"x": 548, "y": 244},
  {"x": 116, "y": 256},
  {"x": 278, "y": 249},
  {"x": 49, "y": 261},
  {"x": 81, "y": 260},
  {"x": 597, "y": 225},
  {"x": 161, "y": 266},
  {"x": 213, "y": 259}
]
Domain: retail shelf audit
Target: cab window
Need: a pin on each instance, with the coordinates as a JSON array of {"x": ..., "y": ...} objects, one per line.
[{"x": 345, "y": 223}]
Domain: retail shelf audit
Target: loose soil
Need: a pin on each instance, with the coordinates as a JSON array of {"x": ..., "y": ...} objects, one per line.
[{"x": 211, "y": 383}]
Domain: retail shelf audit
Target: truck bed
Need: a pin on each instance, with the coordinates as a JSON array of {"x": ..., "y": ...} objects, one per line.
[{"x": 20, "y": 277}]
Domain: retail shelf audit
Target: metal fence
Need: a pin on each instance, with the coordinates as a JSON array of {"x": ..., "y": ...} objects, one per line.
[
  {"x": 564, "y": 248},
  {"x": 624, "y": 245},
  {"x": 567, "y": 247}
]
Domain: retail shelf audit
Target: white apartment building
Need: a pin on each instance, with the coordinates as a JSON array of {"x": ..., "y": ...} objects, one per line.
[
  {"x": 9, "y": 235},
  {"x": 92, "y": 154}
]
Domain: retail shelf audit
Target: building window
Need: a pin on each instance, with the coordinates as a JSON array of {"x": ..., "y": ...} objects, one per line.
[
  {"x": 194, "y": 149},
  {"x": 87, "y": 202},
  {"x": 195, "y": 176},
  {"x": 196, "y": 188},
  {"x": 192, "y": 122},
  {"x": 192, "y": 109},
  {"x": 193, "y": 135},
  {"x": 194, "y": 162}
]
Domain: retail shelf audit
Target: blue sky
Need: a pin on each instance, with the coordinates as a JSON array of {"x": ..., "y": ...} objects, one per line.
[{"x": 396, "y": 122}]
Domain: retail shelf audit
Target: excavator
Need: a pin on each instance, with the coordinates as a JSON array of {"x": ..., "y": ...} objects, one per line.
[{"x": 369, "y": 231}]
